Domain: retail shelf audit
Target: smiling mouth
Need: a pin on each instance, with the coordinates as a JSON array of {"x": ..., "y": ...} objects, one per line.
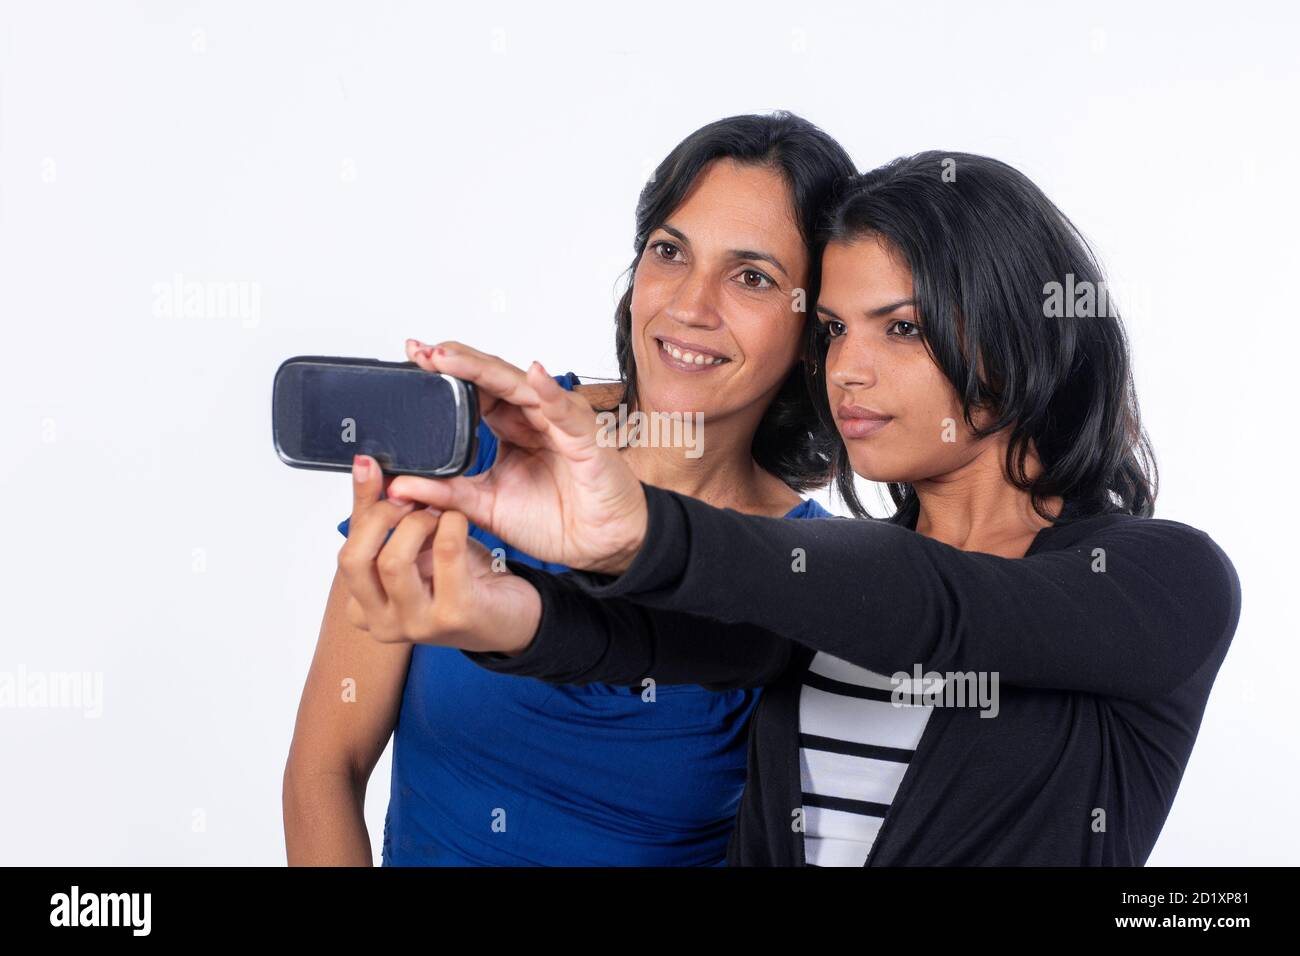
[{"x": 687, "y": 360}]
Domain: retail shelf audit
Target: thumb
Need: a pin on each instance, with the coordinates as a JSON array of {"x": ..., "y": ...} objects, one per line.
[{"x": 461, "y": 494}]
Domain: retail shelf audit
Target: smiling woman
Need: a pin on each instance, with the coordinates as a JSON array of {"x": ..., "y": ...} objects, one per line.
[
  {"x": 490, "y": 770},
  {"x": 723, "y": 232}
]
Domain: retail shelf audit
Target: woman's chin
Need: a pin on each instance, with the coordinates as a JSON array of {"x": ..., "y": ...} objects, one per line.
[{"x": 871, "y": 468}]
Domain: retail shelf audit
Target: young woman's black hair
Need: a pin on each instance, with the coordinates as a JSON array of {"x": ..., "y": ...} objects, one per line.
[
  {"x": 791, "y": 441},
  {"x": 984, "y": 245}
]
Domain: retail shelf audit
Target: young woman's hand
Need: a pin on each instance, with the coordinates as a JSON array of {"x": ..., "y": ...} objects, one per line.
[
  {"x": 430, "y": 583},
  {"x": 554, "y": 491}
]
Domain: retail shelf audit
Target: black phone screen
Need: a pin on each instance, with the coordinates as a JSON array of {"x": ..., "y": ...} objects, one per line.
[{"x": 406, "y": 418}]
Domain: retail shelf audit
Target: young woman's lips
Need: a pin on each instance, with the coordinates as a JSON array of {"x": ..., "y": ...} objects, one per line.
[
  {"x": 683, "y": 364},
  {"x": 862, "y": 427},
  {"x": 859, "y": 423}
]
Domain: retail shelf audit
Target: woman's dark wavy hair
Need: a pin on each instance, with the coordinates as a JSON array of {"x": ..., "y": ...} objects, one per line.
[
  {"x": 983, "y": 242},
  {"x": 791, "y": 441}
]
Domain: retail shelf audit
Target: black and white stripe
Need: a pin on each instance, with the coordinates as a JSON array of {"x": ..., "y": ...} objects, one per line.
[{"x": 854, "y": 747}]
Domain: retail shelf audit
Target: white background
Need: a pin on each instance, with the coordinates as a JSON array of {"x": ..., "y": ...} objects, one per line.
[{"x": 378, "y": 171}]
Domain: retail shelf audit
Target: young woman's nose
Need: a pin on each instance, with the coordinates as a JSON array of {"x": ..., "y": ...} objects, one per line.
[{"x": 851, "y": 368}]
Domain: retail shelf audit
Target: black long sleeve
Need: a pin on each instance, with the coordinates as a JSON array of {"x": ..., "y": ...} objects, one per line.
[
  {"x": 582, "y": 639},
  {"x": 1106, "y": 638},
  {"x": 887, "y": 598}
]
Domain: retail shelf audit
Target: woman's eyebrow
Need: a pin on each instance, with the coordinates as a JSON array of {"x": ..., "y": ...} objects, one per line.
[
  {"x": 734, "y": 253},
  {"x": 886, "y": 309},
  {"x": 872, "y": 313},
  {"x": 764, "y": 256}
]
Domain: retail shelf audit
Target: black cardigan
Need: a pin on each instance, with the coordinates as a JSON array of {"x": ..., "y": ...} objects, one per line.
[{"x": 1104, "y": 669}]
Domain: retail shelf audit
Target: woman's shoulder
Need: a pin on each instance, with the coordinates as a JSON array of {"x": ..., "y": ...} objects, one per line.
[
  {"x": 599, "y": 395},
  {"x": 1156, "y": 547},
  {"x": 810, "y": 508}
]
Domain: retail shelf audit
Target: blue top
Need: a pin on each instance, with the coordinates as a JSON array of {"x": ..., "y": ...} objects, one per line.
[{"x": 495, "y": 770}]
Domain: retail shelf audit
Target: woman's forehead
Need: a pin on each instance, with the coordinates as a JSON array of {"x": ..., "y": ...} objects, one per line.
[{"x": 744, "y": 206}]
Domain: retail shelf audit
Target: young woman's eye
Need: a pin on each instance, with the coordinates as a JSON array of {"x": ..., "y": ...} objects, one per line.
[
  {"x": 665, "y": 250},
  {"x": 753, "y": 279},
  {"x": 907, "y": 330},
  {"x": 832, "y": 328}
]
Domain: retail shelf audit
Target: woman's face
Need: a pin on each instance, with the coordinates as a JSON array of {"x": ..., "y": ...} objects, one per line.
[
  {"x": 900, "y": 417},
  {"x": 714, "y": 326}
]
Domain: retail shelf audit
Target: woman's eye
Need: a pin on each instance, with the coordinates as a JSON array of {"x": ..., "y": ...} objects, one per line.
[
  {"x": 906, "y": 329},
  {"x": 830, "y": 326},
  {"x": 665, "y": 250},
  {"x": 753, "y": 279}
]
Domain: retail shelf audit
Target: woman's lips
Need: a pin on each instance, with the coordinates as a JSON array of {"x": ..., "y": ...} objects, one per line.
[
  {"x": 859, "y": 422},
  {"x": 862, "y": 427}
]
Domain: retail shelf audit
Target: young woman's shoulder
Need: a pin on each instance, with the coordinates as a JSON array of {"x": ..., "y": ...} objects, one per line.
[{"x": 1159, "y": 550}]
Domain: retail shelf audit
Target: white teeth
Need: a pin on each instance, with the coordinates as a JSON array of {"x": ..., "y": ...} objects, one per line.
[{"x": 690, "y": 357}]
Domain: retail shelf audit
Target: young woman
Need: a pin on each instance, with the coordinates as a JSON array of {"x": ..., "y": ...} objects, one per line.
[
  {"x": 1023, "y": 556},
  {"x": 491, "y": 770}
]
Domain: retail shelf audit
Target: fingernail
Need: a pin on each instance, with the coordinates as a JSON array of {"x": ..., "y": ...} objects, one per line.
[
  {"x": 396, "y": 500},
  {"x": 417, "y": 343},
  {"x": 360, "y": 467}
]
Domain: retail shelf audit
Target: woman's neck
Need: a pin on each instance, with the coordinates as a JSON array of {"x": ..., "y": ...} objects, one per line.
[
  {"x": 725, "y": 476},
  {"x": 975, "y": 507},
  {"x": 720, "y": 471}
]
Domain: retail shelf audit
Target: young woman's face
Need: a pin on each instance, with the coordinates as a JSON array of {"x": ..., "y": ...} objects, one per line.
[
  {"x": 714, "y": 326},
  {"x": 900, "y": 417}
]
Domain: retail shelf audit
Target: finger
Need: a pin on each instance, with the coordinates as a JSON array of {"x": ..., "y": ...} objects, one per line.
[
  {"x": 409, "y": 596},
  {"x": 451, "y": 576},
  {"x": 418, "y": 352},
  {"x": 368, "y": 527},
  {"x": 424, "y": 564},
  {"x": 524, "y": 427},
  {"x": 467, "y": 495},
  {"x": 561, "y": 408},
  {"x": 495, "y": 378},
  {"x": 505, "y": 400},
  {"x": 510, "y": 423}
]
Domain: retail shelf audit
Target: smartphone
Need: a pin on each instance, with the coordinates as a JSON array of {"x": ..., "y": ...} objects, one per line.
[{"x": 325, "y": 410}]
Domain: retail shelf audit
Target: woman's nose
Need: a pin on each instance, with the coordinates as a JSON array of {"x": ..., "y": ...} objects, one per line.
[
  {"x": 851, "y": 368},
  {"x": 693, "y": 302}
]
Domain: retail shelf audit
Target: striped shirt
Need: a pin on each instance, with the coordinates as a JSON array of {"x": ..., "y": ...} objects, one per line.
[{"x": 855, "y": 743}]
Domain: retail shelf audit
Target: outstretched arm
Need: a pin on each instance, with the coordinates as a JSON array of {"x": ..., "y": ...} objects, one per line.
[
  {"x": 1130, "y": 609},
  {"x": 581, "y": 639}
]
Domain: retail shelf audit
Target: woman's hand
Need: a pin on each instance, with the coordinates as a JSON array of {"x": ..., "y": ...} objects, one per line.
[
  {"x": 553, "y": 492},
  {"x": 430, "y": 583}
]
